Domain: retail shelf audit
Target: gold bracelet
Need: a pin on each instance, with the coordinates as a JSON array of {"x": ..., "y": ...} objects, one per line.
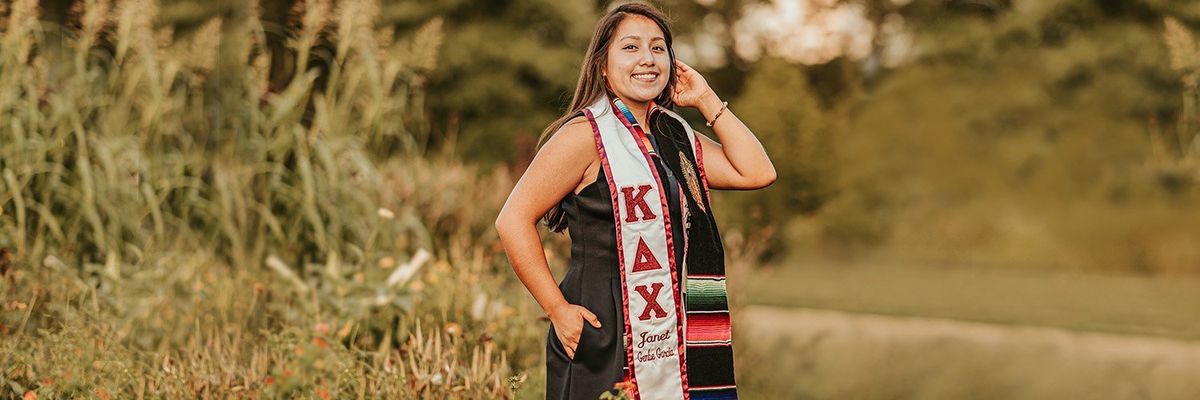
[{"x": 724, "y": 104}]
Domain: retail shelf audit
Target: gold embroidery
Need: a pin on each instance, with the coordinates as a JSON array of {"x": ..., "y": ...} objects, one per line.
[{"x": 693, "y": 182}]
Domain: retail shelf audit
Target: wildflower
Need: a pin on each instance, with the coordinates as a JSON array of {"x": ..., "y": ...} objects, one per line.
[
  {"x": 406, "y": 271},
  {"x": 515, "y": 381},
  {"x": 479, "y": 306},
  {"x": 622, "y": 390},
  {"x": 453, "y": 329},
  {"x": 386, "y": 213}
]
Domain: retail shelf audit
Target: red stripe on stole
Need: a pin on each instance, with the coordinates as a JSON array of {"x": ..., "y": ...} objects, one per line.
[{"x": 708, "y": 327}]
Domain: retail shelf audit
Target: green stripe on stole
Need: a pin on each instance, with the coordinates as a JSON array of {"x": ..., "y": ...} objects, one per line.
[{"x": 706, "y": 295}]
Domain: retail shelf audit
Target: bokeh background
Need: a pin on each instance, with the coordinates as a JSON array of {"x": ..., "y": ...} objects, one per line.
[{"x": 986, "y": 199}]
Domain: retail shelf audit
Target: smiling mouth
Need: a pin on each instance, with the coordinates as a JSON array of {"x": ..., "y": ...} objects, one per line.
[{"x": 646, "y": 77}]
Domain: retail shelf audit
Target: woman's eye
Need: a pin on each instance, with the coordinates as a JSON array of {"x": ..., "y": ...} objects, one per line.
[
  {"x": 629, "y": 46},
  {"x": 659, "y": 48}
]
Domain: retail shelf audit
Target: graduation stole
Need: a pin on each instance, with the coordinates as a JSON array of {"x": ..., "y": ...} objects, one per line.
[
  {"x": 660, "y": 330},
  {"x": 654, "y": 315}
]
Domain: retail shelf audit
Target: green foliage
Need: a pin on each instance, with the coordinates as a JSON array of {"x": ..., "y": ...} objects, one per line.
[
  {"x": 777, "y": 101},
  {"x": 787, "y": 118},
  {"x": 116, "y": 157},
  {"x": 1005, "y": 122},
  {"x": 179, "y": 229},
  {"x": 185, "y": 325},
  {"x": 506, "y": 71},
  {"x": 509, "y": 68}
]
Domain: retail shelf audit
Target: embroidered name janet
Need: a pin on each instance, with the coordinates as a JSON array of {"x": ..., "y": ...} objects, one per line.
[{"x": 648, "y": 337}]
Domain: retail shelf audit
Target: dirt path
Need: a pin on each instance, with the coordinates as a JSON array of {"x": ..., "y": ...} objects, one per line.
[{"x": 873, "y": 356}]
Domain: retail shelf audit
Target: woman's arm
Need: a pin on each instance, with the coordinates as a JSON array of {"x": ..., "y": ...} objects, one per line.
[
  {"x": 739, "y": 160},
  {"x": 555, "y": 171}
]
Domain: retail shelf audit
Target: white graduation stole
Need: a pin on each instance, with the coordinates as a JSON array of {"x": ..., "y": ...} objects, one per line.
[{"x": 654, "y": 313}]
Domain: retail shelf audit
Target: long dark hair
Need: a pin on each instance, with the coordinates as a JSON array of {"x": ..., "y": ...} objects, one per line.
[{"x": 592, "y": 84}]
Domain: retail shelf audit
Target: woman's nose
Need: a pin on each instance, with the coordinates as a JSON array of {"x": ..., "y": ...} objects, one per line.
[{"x": 647, "y": 58}]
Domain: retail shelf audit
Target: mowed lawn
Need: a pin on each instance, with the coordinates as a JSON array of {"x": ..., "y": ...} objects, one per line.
[{"x": 1154, "y": 306}]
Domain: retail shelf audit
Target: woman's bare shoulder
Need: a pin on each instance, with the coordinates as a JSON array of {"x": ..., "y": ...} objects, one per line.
[
  {"x": 562, "y": 161},
  {"x": 575, "y": 138},
  {"x": 579, "y": 125}
]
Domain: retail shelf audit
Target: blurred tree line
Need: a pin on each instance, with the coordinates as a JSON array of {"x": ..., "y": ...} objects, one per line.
[
  {"x": 1038, "y": 132},
  {"x": 1013, "y": 128}
]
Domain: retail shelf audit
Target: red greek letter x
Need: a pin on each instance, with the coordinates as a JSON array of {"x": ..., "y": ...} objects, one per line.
[{"x": 651, "y": 296}]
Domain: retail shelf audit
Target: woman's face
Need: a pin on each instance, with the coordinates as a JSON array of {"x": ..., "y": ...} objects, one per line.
[{"x": 638, "y": 60}]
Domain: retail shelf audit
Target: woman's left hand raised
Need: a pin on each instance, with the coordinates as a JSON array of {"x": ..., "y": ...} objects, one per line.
[{"x": 690, "y": 87}]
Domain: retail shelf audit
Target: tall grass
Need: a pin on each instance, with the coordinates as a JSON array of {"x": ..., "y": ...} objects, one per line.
[
  {"x": 152, "y": 141},
  {"x": 181, "y": 227}
]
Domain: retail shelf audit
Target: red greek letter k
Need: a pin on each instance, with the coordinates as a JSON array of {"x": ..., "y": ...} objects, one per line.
[{"x": 633, "y": 203}]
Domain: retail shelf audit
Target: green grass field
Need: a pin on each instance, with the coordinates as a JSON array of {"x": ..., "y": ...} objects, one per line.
[
  {"x": 873, "y": 330},
  {"x": 1165, "y": 307}
]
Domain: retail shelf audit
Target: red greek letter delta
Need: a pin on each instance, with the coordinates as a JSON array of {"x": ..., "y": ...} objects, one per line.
[
  {"x": 644, "y": 259},
  {"x": 651, "y": 296},
  {"x": 637, "y": 202}
]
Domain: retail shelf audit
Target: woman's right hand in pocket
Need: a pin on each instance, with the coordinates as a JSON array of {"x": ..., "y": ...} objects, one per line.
[{"x": 568, "y": 325}]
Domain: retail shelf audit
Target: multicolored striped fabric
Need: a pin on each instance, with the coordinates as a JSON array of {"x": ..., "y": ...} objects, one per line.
[
  {"x": 707, "y": 311},
  {"x": 709, "y": 343},
  {"x": 708, "y": 337}
]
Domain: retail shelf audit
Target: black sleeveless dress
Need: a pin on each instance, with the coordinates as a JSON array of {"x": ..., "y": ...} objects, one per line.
[{"x": 593, "y": 278}]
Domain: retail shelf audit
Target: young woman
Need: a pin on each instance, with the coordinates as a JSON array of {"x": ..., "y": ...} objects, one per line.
[{"x": 643, "y": 299}]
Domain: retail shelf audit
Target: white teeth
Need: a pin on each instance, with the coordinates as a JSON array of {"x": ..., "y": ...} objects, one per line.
[{"x": 645, "y": 77}]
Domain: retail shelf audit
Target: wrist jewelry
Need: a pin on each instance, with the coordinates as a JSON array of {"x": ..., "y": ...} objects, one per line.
[{"x": 724, "y": 105}]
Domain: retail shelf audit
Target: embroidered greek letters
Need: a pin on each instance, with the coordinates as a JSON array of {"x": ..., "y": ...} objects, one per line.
[
  {"x": 644, "y": 259},
  {"x": 635, "y": 203},
  {"x": 651, "y": 297}
]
